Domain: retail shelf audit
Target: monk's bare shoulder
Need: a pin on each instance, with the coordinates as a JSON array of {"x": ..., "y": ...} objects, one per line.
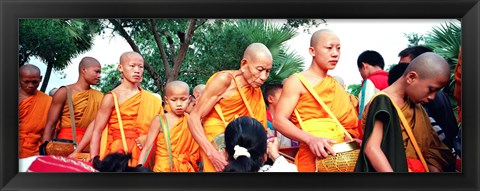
[{"x": 293, "y": 85}]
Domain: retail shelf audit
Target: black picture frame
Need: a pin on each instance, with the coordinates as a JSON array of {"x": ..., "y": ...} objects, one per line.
[{"x": 467, "y": 10}]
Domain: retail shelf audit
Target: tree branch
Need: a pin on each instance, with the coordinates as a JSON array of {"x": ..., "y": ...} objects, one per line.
[
  {"x": 160, "y": 46},
  {"x": 196, "y": 71},
  {"x": 182, "y": 52}
]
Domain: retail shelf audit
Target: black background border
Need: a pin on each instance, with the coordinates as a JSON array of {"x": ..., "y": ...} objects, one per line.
[{"x": 12, "y": 10}]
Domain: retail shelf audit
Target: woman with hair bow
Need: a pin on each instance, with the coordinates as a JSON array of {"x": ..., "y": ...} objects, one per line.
[{"x": 247, "y": 147}]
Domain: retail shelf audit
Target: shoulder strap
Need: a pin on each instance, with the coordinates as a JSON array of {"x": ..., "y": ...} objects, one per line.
[
  {"x": 320, "y": 101},
  {"x": 72, "y": 116},
  {"x": 166, "y": 134},
  {"x": 124, "y": 141},
  {"x": 408, "y": 129},
  {"x": 243, "y": 97}
]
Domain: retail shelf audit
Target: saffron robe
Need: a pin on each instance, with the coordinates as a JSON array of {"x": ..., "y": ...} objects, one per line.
[
  {"x": 136, "y": 112},
  {"x": 396, "y": 144},
  {"x": 232, "y": 107},
  {"x": 185, "y": 151},
  {"x": 32, "y": 117},
  {"x": 338, "y": 100},
  {"x": 85, "y": 106}
]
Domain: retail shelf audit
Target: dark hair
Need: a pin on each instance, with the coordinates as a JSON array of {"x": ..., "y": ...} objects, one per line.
[
  {"x": 413, "y": 51},
  {"x": 396, "y": 72},
  {"x": 246, "y": 132},
  {"x": 270, "y": 90},
  {"x": 116, "y": 162},
  {"x": 370, "y": 57}
]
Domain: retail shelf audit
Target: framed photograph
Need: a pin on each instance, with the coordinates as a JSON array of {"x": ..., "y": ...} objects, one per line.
[{"x": 467, "y": 12}]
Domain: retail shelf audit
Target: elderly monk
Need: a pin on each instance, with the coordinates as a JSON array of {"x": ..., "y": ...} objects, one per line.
[
  {"x": 85, "y": 100},
  {"x": 175, "y": 149},
  {"x": 325, "y": 51},
  {"x": 32, "y": 111},
  {"x": 197, "y": 91},
  {"x": 386, "y": 145},
  {"x": 227, "y": 95},
  {"x": 137, "y": 108}
]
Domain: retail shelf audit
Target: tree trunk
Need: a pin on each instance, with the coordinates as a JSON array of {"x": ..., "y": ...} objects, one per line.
[
  {"x": 182, "y": 52},
  {"x": 47, "y": 77}
]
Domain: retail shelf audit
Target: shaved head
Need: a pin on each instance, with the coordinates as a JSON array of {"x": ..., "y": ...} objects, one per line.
[
  {"x": 173, "y": 85},
  {"x": 29, "y": 69},
  {"x": 87, "y": 62},
  {"x": 429, "y": 65},
  {"x": 199, "y": 88},
  {"x": 316, "y": 36},
  {"x": 257, "y": 50},
  {"x": 125, "y": 57}
]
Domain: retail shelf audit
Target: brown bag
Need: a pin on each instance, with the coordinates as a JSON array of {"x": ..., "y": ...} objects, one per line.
[{"x": 63, "y": 147}]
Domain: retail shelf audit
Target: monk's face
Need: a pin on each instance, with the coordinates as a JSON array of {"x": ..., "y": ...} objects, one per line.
[
  {"x": 178, "y": 100},
  {"x": 256, "y": 70},
  {"x": 326, "y": 51},
  {"x": 132, "y": 68},
  {"x": 29, "y": 81},
  {"x": 423, "y": 90},
  {"x": 92, "y": 73}
]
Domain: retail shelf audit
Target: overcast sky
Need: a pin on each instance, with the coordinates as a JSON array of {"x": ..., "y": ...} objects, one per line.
[{"x": 385, "y": 36}]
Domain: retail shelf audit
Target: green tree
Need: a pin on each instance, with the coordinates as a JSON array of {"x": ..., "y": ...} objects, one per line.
[
  {"x": 414, "y": 39},
  {"x": 55, "y": 41}
]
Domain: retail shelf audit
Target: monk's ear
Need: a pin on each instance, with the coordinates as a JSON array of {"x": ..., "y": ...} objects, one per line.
[
  {"x": 243, "y": 63},
  {"x": 120, "y": 67},
  {"x": 411, "y": 77},
  {"x": 311, "y": 50}
]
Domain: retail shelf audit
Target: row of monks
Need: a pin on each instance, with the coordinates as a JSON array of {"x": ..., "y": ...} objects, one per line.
[{"x": 179, "y": 136}]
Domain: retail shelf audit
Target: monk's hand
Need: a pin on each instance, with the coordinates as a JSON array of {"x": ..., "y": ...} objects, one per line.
[
  {"x": 357, "y": 140},
  {"x": 73, "y": 153},
  {"x": 218, "y": 160},
  {"x": 321, "y": 147},
  {"x": 141, "y": 141}
]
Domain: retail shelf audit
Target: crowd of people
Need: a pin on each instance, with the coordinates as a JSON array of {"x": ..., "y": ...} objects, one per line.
[{"x": 402, "y": 121}]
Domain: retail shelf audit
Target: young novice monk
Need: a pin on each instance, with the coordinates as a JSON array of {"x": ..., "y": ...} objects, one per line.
[
  {"x": 386, "y": 145},
  {"x": 137, "y": 107},
  {"x": 176, "y": 150}
]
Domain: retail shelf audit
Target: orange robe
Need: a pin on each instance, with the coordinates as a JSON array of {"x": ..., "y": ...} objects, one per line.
[
  {"x": 337, "y": 99},
  {"x": 457, "y": 92},
  {"x": 85, "y": 106},
  {"x": 136, "y": 112},
  {"x": 185, "y": 151},
  {"x": 232, "y": 107},
  {"x": 32, "y": 117}
]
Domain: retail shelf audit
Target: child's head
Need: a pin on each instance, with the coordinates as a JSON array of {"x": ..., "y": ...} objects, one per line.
[
  {"x": 116, "y": 162},
  {"x": 246, "y": 145},
  {"x": 425, "y": 76},
  {"x": 177, "y": 96},
  {"x": 272, "y": 94}
]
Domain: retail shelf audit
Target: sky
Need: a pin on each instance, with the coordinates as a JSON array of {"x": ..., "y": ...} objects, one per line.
[{"x": 385, "y": 36}]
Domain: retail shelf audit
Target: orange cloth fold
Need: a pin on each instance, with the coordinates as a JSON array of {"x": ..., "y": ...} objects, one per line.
[
  {"x": 85, "y": 106},
  {"x": 32, "y": 117},
  {"x": 185, "y": 151},
  {"x": 232, "y": 107},
  {"x": 338, "y": 100},
  {"x": 136, "y": 113}
]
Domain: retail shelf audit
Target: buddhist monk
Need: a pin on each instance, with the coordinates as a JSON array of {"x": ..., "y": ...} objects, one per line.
[
  {"x": 325, "y": 51},
  {"x": 137, "y": 107},
  {"x": 222, "y": 102},
  {"x": 32, "y": 111},
  {"x": 386, "y": 145},
  {"x": 175, "y": 149},
  {"x": 197, "y": 91},
  {"x": 85, "y": 100}
]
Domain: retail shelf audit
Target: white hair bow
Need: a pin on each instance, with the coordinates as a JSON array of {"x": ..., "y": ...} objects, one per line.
[{"x": 240, "y": 151}]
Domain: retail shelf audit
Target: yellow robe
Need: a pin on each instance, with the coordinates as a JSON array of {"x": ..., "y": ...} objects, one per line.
[
  {"x": 232, "y": 107},
  {"x": 434, "y": 151},
  {"x": 136, "y": 112},
  {"x": 337, "y": 99},
  {"x": 185, "y": 151},
  {"x": 85, "y": 106},
  {"x": 32, "y": 117}
]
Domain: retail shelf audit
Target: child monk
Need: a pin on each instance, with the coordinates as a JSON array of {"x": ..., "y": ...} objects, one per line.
[
  {"x": 176, "y": 150},
  {"x": 387, "y": 146}
]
